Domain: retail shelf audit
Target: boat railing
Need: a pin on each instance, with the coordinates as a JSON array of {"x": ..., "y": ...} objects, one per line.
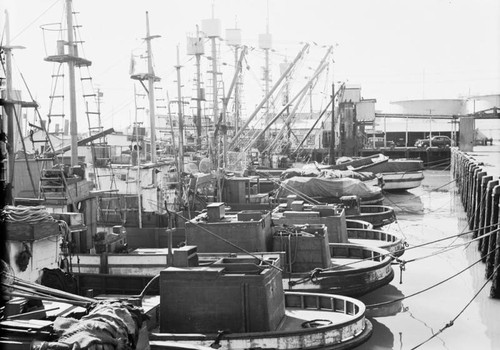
[
  {"x": 354, "y": 251},
  {"x": 358, "y": 224},
  {"x": 325, "y": 302},
  {"x": 379, "y": 235}
]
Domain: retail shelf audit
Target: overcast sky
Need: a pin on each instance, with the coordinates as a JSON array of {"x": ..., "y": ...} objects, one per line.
[{"x": 394, "y": 49}]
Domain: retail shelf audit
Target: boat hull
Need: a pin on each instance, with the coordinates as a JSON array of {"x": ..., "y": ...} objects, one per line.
[
  {"x": 356, "y": 270},
  {"x": 377, "y": 215},
  {"x": 307, "y": 308},
  {"x": 401, "y": 181}
]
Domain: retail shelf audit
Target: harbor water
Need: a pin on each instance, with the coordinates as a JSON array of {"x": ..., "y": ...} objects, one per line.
[{"x": 450, "y": 314}]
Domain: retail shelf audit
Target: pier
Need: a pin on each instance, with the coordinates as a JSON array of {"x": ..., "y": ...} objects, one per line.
[{"x": 477, "y": 176}]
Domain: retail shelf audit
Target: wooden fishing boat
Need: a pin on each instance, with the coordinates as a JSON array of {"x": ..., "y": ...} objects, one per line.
[
  {"x": 239, "y": 303},
  {"x": 402, "y": 181},
  {"x": 377, "y": 215},
  {"x": 316, "y": 247},
  {"x": 397, "y": 174},
  {"x": 227, "y": 300}
]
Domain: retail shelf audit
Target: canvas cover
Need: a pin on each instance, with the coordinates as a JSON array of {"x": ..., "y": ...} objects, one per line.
[{"x": 323, "y": 187}]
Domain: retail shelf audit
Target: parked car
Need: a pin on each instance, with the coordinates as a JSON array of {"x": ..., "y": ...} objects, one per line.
[{"x": 437, "y": 141}]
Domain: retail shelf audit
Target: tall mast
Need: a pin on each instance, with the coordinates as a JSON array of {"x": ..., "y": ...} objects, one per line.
[
  {"x": 151, "y": 95},
  {"x": 265, "y": 43},
  {"x": 214, "y": 80},
  {"x": 257, "y": 109},
  {"x": 181, "y": 121},
  {"x": 212, "y": 29},
  {"x": 198, "y": 91},
  {"x": 233, "y": 38},
  {"x": 196, "y": 47},
  {"x": 9, "y": 108},
  {"x": 138, "y": 172},
  {"x": 72, "y": 92}
]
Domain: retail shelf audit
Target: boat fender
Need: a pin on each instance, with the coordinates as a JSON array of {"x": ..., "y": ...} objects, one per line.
[
  {"x": 316, "y": 323},
  {"x": 216, "y": 343},
  {"x": 315, "y": 274},
  {"x": 23, "y": 258}
]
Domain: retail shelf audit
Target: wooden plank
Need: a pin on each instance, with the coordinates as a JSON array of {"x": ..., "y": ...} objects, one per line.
[{"x": 19, "y": 231}]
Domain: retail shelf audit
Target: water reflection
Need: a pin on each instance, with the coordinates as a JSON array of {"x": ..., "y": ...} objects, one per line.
[
  {"x": 405, "y": 202},
  {"x": 385, "y": 301},
  {"x": 383, "y": 340}
]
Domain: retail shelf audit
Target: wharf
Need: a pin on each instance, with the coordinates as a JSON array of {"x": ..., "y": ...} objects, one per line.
[
  {"x": 489, "y": 156},
  {"x": 432, "y": 157}
]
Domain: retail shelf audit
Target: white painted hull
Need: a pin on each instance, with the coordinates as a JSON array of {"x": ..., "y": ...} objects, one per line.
[{"x": 402, "y": 180}]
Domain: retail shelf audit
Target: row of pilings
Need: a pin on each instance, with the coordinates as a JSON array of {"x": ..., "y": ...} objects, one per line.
[{"x": 480, "y": 195}]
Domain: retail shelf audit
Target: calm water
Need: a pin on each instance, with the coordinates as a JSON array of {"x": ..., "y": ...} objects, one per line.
[{"x": 425, "y": 214}]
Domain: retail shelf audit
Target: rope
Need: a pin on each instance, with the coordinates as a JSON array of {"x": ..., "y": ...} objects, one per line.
[
  {"x": 452, "y": 322},
  {"x": 430, "y": 287}
]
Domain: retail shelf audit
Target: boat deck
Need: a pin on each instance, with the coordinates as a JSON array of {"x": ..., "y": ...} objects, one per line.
[{"x": 295, "y": 318}]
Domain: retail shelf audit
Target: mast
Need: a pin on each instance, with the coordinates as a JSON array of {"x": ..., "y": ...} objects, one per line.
[
  {"x": 196, "y": 47},
  {"x": 181, "y": 121},
  {"x": 257, "y": 109},
  {"x": 9, "y": 108},
  {"x": 233, "y": 38},
  {"x": 332, "y": 131},
  {"x": 72, "y": 92},
  {"x": 151, "y": 95},
  {"x": 265, "y": 43},
  {"x": 138, "y": 172},
  {"x": 212, "y": 29},
  {"x": 198, "y": 93}
]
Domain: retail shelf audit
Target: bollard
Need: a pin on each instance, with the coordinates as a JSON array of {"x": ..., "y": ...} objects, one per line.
[
  {"x": 484, "y": 243},
  {"x": 473, "y": 198},
  {"x": 495, "y": 281},
  {"x": 470, "y": 181},
  {"x": 495, "y": 204},
  {"x": 481, "y": 205}
]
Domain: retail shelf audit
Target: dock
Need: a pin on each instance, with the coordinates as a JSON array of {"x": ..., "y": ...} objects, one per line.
[{"x": 477, "y": 177}]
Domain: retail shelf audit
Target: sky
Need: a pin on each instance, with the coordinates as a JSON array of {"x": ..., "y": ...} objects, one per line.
[{"x": 394, "y": 49}]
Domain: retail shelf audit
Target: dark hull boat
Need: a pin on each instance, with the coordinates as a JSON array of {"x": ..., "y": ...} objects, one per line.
[{"x": 252, "y": 310}]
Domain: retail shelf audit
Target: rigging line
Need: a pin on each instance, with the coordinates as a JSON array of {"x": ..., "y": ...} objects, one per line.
[
  {"x": 33, "y": 21},
  {"x": 451, "y": 323},
  {"x": 451, "y": 247},
  {"x": 409, "y": 248},
  {"x": 291, "y": 189},
  {"x": 25, "y": 153},
  {"x": 224, "y": 240}
]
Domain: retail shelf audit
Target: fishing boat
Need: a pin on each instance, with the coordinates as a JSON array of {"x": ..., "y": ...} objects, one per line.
[
  {"x": 239, "y": 303},
  {"x": 377, "y": 215},
  {"x": 397, "y": 174},
  {"x": 317, "y": 248},
  {"x": 342, "y": 228}
]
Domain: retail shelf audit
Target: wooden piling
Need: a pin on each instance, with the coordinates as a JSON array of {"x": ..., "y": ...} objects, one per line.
[
  {"x": 480, "y": 197},
  {"x": 484, "y": 223},
  {"x": 495, "y": 204},
  {"x": 481, "y": 205}
]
